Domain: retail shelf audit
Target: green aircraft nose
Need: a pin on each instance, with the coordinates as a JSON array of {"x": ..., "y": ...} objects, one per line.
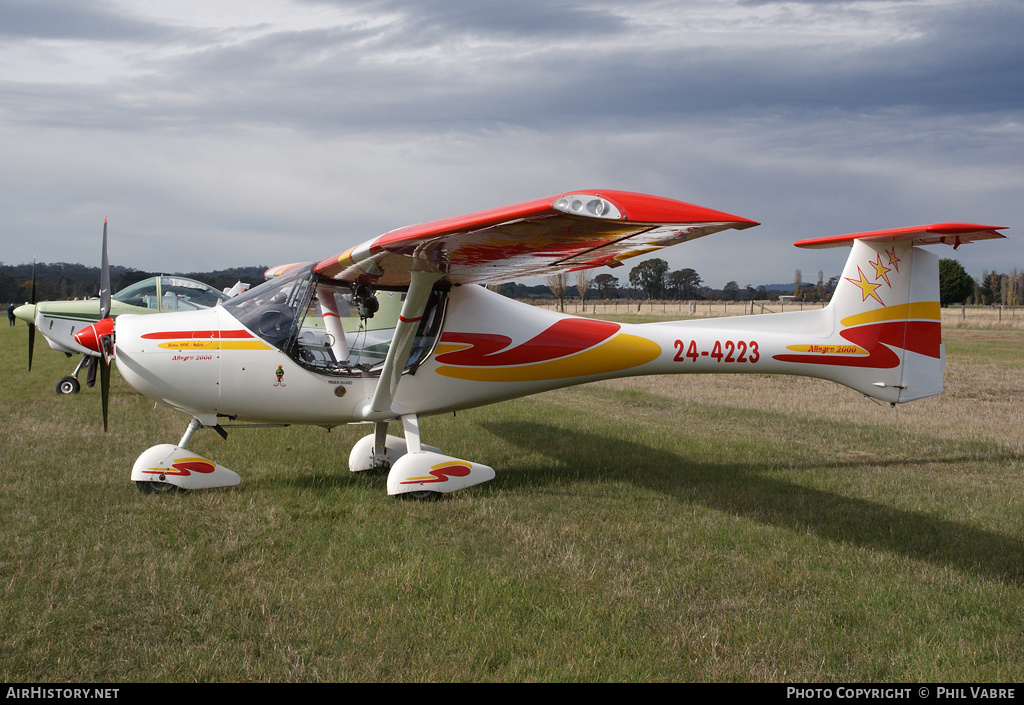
[{"x": 26, "y": 312}]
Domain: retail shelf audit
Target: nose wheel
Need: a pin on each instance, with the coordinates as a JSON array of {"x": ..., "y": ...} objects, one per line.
[{"x": 68, "y": 385}]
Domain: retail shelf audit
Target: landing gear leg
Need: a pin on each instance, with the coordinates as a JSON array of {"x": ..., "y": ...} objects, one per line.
[
  {"x": 70, "y": 384},
  {"x": 193, "y": 426},
  {"x": 380, "y": 448}
]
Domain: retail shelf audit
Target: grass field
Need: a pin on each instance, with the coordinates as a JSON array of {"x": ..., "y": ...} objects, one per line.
[{"x": 746, "y": 528}]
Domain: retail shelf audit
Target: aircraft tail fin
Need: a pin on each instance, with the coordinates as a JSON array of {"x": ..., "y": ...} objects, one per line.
[
  {"x": 887, "y": 338},
  {"x": 887, "y": 304}
]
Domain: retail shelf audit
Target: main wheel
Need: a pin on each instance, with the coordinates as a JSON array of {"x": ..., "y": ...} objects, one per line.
[
  {"x": 68, "y": 385},
  {"x": 155, "y": 487},
  {"x": 422, "y": 495}
]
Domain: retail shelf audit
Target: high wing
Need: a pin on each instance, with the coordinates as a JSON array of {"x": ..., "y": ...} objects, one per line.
[
  {"x": 566, "y": 232},
  {"x": 954, "y": 234}
]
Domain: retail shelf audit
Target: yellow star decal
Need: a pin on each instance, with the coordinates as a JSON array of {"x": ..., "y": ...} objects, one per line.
[
  {"x": 893, "y": 259},
  {"x": 866, "y": 288},
  {"x": 881, "y": 271}
]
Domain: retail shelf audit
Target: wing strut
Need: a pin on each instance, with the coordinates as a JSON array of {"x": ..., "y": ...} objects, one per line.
[{"x": 379, "y": 407}]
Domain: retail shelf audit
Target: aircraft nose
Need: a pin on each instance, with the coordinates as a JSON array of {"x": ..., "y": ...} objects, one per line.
[
  {"x": 26, "y": 312},
  {"x": 91, "y": 337}
]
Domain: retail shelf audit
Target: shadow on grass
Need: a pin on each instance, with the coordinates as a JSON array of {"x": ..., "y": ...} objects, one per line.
[{"x": 746, "y": 490}]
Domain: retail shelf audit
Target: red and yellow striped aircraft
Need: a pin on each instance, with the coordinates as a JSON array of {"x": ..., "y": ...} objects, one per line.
[{"x": 399, "y": 328}]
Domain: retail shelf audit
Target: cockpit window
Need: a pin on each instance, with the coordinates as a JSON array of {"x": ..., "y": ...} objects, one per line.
[
  {"x": 346, "y": 328},
  {"x": 332, "y": 327},
  {"x": 270, "y": 309},
  {"x": 179, "y": 294},
  {"x": 170, "y": 294},
  {"x": 142, "y": 294}
]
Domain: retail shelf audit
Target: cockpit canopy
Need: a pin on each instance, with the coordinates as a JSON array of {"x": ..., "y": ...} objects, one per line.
[
  {"x": 333, "y": 327},
  {"x": 168, "y": 293}
]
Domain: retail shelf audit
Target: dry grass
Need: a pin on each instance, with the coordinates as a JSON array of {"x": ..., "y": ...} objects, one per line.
[{"x": 982, "y": 399}]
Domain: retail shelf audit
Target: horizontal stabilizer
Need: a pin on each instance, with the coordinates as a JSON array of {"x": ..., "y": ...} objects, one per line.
[{"x": 954, "y": 234}]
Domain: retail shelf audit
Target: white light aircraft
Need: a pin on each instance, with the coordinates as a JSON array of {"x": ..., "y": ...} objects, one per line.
[{"x": 399, "y": 328}]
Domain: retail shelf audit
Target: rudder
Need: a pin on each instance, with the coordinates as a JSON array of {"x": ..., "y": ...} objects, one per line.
[{"x": 886, "y": 341}]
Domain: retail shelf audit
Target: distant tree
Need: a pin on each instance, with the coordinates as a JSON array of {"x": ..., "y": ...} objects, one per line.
[
  {"x": 684, "y": 284},
  {"x": 130, "y": 277},
  {"x": 606, "y": 285},
  {"x": 559, "y": 284},
  {"x": 808, "y": 292},
  {"x": 650, "y": 276},
  {"x": 797, "y": 284},
  {"x": 583, "y": 279},
  {"x": 990, "y": 288},
  {"x": 731, "y": 291},
  {"x": 955, "y": 284},
  {"x": 830, "y": 287}
]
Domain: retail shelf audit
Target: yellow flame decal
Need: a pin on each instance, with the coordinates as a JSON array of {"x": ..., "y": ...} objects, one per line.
[{"x": 620, "y": 353}]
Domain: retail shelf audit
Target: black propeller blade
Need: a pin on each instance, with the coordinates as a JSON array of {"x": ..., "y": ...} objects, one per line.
[
  {"x": 107, "y": 343},
  {"x": 104, "y": 387},
  {"x": 104, "y": 277},
  {"x": 32, "y": 325}
]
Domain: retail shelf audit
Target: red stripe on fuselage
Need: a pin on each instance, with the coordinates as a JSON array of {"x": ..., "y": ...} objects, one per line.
[
  {"x": 922, "y": 337},
  {"x": 566, "y": 337},
  {"x": 172, "y": 335}
]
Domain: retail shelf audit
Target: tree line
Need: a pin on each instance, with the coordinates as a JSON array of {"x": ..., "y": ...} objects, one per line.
[
  {"x": 61, "y": 280},
  {"x": 956, "y": 286},
  {"x": 651, "y": 279}
]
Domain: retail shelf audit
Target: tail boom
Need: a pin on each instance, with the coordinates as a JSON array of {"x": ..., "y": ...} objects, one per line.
[{"x": 880, "y": 335}]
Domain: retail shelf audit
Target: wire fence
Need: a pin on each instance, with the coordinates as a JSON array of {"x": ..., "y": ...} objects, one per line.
[{"x": 952, "y": 316}]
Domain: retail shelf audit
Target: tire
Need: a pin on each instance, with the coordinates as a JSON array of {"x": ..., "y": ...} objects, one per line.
[
  {"x": 155, "y": 487},
  {"x": 422, "y": 496},
  {"x": 68, "y": 385}
]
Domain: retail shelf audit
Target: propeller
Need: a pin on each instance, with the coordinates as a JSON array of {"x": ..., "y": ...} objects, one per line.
[
  {"x": 106, "y": 339},
  {"x": 32, "y": 325},
  {"x": 99, "y": 337}
]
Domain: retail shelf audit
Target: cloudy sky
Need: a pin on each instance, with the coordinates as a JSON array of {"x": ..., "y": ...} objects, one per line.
[{"x": 243, "y": 132}]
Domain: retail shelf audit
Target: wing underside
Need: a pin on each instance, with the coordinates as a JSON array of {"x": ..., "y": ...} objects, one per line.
[{"x": 563, "y": 233}]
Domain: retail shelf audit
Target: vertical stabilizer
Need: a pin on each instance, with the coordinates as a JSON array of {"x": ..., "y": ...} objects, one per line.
[{"x": 887, "y": 341}]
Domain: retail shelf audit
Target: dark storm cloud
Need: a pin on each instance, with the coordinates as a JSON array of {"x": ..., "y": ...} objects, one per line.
[{"x": 534, "y": 64}]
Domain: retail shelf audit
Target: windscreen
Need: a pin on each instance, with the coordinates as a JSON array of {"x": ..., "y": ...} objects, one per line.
[{"x": 271, "y": 309}]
